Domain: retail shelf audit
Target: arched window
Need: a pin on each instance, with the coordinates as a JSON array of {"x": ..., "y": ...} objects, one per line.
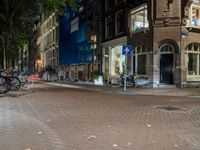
[
  {"x": 167, "y": 49},
  {"x": 193, "y": 59},
  {"x": 140, "y": 60}
]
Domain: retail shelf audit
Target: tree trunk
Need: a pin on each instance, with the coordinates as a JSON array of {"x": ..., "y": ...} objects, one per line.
[{"x": 4, "y": 50}]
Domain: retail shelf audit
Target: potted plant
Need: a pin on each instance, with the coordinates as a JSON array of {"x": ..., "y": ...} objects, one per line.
[{"x": 97, "y": 78}]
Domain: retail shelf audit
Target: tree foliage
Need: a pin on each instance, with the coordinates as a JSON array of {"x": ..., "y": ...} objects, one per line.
[{"x": 17, "y": 18}]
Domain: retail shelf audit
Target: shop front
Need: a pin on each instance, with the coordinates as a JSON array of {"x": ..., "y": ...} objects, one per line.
[{"x": 113, "y": 60}]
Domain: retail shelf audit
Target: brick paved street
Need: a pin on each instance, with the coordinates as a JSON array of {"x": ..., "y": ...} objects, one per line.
[{"x": 49, "y": 117}]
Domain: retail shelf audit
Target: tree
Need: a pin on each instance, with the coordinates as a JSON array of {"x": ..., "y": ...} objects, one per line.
[{"x": 20, "y": 16}]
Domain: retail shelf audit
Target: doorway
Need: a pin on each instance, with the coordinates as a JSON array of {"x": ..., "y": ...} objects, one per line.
[{"x": 166, "y": 68}]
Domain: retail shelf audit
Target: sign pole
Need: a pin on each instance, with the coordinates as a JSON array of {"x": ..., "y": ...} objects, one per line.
[
  {"x": 125, "y": 72},
  {"x": 126, "y": 50}
]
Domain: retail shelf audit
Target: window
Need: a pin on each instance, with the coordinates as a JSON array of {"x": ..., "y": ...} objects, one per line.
[
  {"x": 141, "y": 64},
  {"x": 194, "y": 17},
  {"x": 109, "y": 27},
  {"x": 117, "y": 61},
  {"x": 140, "y": 60},
  {"x": 193, "y": 59},
  {"x": 192, "y": 64},
  {"x": 167, "y": 49},
  {"x": 119, "y": 22},
  {"x": 108, "y": 4},
  {"x": 139, "y": 19},
  {"x": 118, "y": 2}
]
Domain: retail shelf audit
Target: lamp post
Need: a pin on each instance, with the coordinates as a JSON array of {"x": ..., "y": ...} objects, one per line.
[{"x": 93, "y": 46}]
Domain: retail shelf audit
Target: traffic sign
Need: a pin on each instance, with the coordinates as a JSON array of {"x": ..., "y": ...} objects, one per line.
[{"x": 127, "y": 49}]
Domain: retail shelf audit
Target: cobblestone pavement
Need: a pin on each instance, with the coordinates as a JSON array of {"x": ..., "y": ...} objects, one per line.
[{"x": 48, "y": 117}]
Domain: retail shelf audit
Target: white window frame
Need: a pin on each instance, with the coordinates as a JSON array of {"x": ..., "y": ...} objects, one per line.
[
  {"x": 189, "y": 21},
  {"x": 134, "y": 11},
  {"x": 192, "y": 51},
  {"x": 136, "y": 54}
]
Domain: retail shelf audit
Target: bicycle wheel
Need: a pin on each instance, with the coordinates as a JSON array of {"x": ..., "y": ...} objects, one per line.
[
  {"x": 15, "y": 83},
  {"x": 27, "y": 82},
  {"x": 4, "y": 85}
]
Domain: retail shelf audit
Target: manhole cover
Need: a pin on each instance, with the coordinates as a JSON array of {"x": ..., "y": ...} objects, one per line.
[{"x": 169, "y": 107}]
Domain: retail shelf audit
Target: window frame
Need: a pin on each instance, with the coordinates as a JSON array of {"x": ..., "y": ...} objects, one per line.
[
  {"x": 189, "y": 21},
  {"x": 193, "y": 51},
  {"x": 106, "y": 29},
  {"x": 139, "y": 53},
  {"x": 116, "y": 23},
  {"x": 134, "y": 11},
  {"x": 107, "y": 8},
  {"x": 117, "y": 3}
]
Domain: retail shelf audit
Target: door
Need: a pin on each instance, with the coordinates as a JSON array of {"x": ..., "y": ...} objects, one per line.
[{"x": 166, "y": 68}]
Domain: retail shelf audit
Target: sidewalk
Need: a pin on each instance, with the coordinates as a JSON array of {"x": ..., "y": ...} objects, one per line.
[{"x": 180, "y": 92}]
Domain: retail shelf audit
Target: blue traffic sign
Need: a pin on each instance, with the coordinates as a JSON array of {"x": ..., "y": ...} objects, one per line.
[{"x": 127, "y": 49}]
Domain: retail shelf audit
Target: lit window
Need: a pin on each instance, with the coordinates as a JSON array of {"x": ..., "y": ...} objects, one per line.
[
  {"x": 194, "y": 17},
  {"x": 117, "y": 61},
  {"x": 139, "y": 19}
]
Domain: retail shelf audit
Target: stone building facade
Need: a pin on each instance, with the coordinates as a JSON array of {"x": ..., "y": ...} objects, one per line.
[{"x": 49, "y": 41}]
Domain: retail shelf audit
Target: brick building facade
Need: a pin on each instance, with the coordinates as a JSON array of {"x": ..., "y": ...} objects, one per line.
[{"x": 165, "y": 37}]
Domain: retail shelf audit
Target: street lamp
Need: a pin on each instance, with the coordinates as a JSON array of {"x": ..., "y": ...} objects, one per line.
[{"x": 93, "y": 46}]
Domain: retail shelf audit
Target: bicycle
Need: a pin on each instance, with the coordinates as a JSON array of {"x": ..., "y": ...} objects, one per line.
[
  {"x": 5, "y": 84},
  {"x": 26, "y": 80},
  {"x": 14, "y": 80},
  {"x": 130, "y": 82},
  {"x": 144, "y": 82}
]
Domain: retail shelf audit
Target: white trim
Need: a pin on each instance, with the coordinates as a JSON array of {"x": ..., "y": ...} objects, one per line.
[
  {"x": 136, "y": 54},
  {"x": 115, "y": 41},
  {"x": 190, "y": 16}
]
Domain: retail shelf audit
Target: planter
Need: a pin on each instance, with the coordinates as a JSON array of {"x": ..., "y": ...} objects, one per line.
[{"x": 98, "y": 80}]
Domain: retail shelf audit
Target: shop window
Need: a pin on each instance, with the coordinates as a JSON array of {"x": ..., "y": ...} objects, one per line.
[
  {"x": 117, "y": 61},
  {"x": 194, "y": 17},
  {"x": 139, "y": 19},
  {"x": 109, "y": 27},
  {"x": 119, "y": 22},
  {"x": 193, "y": 59}
]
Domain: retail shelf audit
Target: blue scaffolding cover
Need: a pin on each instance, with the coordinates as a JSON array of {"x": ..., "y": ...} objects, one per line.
[{"x": 74, "y": 47}]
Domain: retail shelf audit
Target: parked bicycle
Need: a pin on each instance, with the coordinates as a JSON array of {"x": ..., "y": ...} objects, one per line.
[
  {"x": 14, "y": 80},
  {"x": 132, "y": 81},
  {"x": 25, "y": 79},
  {"x": 5, "y": 84}
]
